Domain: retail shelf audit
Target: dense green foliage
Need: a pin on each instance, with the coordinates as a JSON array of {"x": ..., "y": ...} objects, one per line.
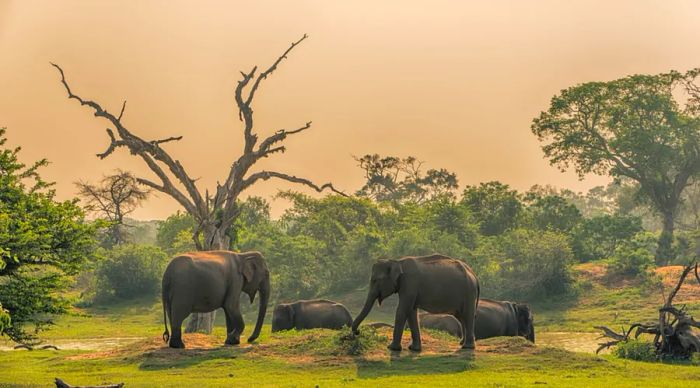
[
  {"x": 635, "y": 256},
  {"x": 645, "y": 128},
  {"x": 130, "y": 271},
  {"x": 41, "y": 240},
  {"x": 636, "y": 350}
]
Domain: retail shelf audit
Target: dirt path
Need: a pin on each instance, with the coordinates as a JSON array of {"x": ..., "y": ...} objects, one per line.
[{"x": 84, "y": 344}]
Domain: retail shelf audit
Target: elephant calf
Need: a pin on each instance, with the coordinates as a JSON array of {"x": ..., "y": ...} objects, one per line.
[
  {"x": 494, "y": 318},
  {"x": 310, "y": 314}
]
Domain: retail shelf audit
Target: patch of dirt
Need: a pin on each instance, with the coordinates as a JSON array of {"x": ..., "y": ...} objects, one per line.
[
  {"x": 195, "y": 343},
  {"x": 690, "y": 290}
]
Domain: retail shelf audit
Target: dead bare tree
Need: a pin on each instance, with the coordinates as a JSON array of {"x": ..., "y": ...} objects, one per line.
[
  {"x": 115, "y": 197},
  {"x": 216, "y": 214},
  {"x": 673, "y": 333}
]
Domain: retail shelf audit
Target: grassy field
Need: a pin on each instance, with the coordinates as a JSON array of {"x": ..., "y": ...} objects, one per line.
[{"x": 131, "y": 350}]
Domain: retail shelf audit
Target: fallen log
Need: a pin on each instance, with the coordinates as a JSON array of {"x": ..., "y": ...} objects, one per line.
[
  {"x": 673, "y": 333},
  {"x": 62, "y": 384}
]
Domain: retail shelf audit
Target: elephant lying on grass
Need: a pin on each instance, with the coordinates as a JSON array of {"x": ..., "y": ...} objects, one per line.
[
  {"x": 310, "y": 314},
  {"x": 201, "y": 282},
  {"x": 436, "y": 283},
  {"x": 493, "y": 319}
]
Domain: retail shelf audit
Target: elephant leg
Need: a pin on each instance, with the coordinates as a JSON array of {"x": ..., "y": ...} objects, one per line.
[
  {"x": 402, "y": 312},
  {"x": 176, "y": 319},
  {"x": 467, "y": 320},
  {"x": 234, "y": 325},
  {"x": 415, "y": 331}
]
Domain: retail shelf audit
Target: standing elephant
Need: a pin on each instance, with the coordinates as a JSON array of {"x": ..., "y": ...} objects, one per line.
[
  {"x": 310, "y": 314},
  {"x": 494, "y": 318},
  {"x": 201, "y": 282},
  {"x": 501, "y": 318},
  {"x": 436, "y": 283}
]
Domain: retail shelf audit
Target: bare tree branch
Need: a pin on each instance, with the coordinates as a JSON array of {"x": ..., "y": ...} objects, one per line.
[{"x": 265, "y": 175}]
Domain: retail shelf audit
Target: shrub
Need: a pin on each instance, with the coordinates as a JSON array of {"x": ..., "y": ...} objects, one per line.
[
  {"x": 634, "y": 257},
  {"x": 4, "y": 319},
  {"x": 346, "y": 342},
  {"x": 636, "y": 350},
  {"x": 129, "y": 271},
  {"x": 525, "y": 264}
]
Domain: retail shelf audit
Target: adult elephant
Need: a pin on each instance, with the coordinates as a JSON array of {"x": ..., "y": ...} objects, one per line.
[
  {"x": 436, "y": 283},
  {"x": 310, "y": 314},
  {"x": 201, "y": 282},
  {"x": 494, "y": 318}
]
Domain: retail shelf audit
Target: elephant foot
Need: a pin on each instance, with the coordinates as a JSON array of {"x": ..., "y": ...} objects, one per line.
[
  {"x": 414, "y": 348},
  {"x": 395, "y": 347},
  {"x": 176, "y": 343},
  {"x": 470, "y": 346},
  {"x": 232, "y": 341}
]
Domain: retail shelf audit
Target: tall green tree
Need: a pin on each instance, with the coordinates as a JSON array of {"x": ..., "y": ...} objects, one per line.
[
  {"x": 494, "y": 205},
  {"x": 642, "y": 127},
  {"x": 41, "y": 241},
  {"x": 394, "y": 179}
]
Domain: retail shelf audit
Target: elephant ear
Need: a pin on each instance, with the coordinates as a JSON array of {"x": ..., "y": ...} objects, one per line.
[
  {"x": 248, "y": 270},
  {"x": 395, "y": 273}
]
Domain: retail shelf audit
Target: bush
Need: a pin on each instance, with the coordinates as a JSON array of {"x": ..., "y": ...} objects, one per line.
[
  {"x": 633, "y": 258},
  {"x": 354, "y": 345},
  {"x": 129, "y": 271},
  {"x": 4, "y": 319},
  {"x": 525, "y": 264},
  {"x": 636, "y": 350}
]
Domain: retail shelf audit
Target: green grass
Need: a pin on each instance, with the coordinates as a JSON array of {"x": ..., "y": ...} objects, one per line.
[{"x": 282, "y": 360}]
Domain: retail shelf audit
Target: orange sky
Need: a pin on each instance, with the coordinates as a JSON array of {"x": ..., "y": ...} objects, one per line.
[{"x": 454, "y": 83}]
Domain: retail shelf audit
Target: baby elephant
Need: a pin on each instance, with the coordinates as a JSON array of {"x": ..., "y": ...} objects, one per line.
[{"x": 310, "y": 314}]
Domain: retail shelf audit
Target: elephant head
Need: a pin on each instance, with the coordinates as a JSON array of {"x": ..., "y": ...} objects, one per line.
[
  {"x": 283, "y": 317},
  {"x": 526, "y": 327},
  {"x": 384, "y": 282},
  {"x": 256, "y": 278}
]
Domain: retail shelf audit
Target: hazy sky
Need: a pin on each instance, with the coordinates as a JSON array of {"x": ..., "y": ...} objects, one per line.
[{"x": 454, "y": 83}]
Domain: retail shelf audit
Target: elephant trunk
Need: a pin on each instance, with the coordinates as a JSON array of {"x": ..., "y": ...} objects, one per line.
[
  {"x": 262, "y": 308},
  {"x": 369, "y": 303}
]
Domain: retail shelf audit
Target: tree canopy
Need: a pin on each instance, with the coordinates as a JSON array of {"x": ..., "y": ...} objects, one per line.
[
  {"x": 641, "y": 127},
  {"x": 41, "y": 240}
]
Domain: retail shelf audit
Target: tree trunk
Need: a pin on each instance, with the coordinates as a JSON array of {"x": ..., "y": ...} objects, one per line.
[
  {"x": 664, "y": 251},
  {"x": 214, "y": 239}
]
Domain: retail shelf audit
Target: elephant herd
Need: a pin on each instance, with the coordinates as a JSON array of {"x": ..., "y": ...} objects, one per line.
[{"x": 445, "y": 288}]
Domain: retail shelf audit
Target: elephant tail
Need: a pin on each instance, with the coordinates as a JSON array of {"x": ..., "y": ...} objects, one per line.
[{"x": 166, "y": 305}]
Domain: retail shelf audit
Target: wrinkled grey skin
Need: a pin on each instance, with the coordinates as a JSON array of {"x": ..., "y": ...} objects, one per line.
[
  {"x": 501, "y": 318},
  {"x": 436, "y": 283},
  {"x": 201, "y": 282},
  {"x": 494, "y": 318},
  {"x": 310, "y": 314}
]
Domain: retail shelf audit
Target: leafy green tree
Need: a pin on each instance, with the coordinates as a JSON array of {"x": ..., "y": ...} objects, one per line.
[
  {"x": 131, "y": 271},
  {"x": 553, "y": 212},
  {"x": 634, "y": 127},
  {"x": 525, "y": 264},
  {"x": 598, "y": 237},
  {"x": 494, "y": 205},
  {"x": 41, "y": 240},
  {"x": 633, "y": 257},
  {"x": 399, "y": 180},
  {"x": 171, "y": 233}
]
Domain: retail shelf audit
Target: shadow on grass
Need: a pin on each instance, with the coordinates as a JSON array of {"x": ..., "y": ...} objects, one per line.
[
  {"x": 409, "y": 363},
  {"x": 167, "y": 358}
]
